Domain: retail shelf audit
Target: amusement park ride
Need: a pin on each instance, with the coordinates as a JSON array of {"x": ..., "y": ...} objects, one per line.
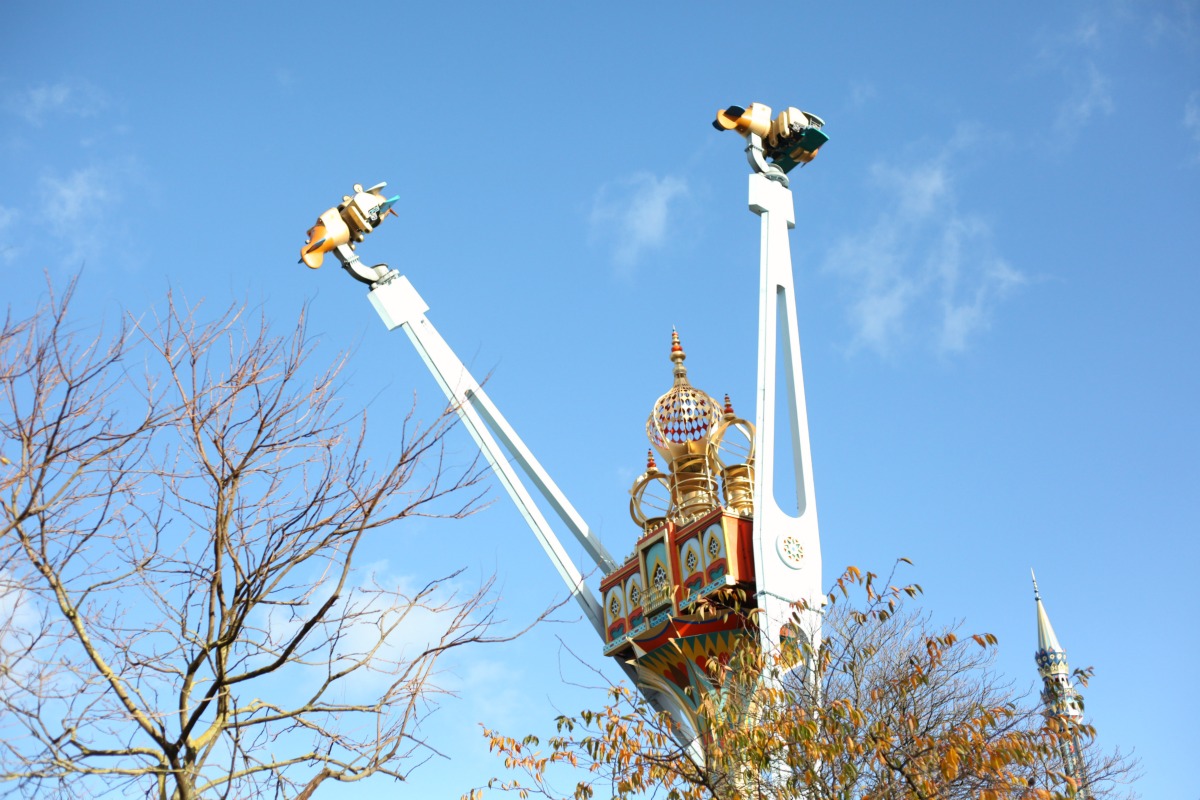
[{"x": 711, "y": 520}]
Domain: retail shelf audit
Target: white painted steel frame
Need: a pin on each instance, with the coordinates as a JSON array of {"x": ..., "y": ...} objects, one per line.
[
  {"x": 399, "y": 306},
  {"x": 782, "y": 579}
]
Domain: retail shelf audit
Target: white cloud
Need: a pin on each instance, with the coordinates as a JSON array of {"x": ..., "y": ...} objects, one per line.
[
  {"x": 489, "y": 684},
  {"x": 1176, "y": 23},
  {"x": 1089, "y": 98},
  {"x": 77, "y": 217},
  {"x": 72, "y": 98},
  {"x": 1191, "y": 122},
  {"x": 923, "y": 271},
  {"x": 14, "y": 611},
  {"x": 633, "y": 215},
  {"x": 8, "y": 227},
  {"x": 379, "y": 601},
  {"x": 84, "y": 211},
  {"x": 77, "y": 198},
  {"x": 1071, "y": 58},
  {"x": 21, "y": 626},
  {"x": 861, "y": 93},
  {"x": 1087, "y": 33},
  {"x": 970, "y": 280},
  {"x": 78, "y": 213}
]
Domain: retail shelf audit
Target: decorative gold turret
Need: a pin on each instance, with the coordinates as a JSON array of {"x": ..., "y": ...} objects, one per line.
[
  {"x": 709, "y": 452},
  {"x": 732, "y": 450},
  {"x": 651, "y": 496},
  {"x": 686, "y": 594},
  {"x": 680, "y": 427}
]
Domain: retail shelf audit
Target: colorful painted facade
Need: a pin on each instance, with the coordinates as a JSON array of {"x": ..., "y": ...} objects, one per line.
[{"x": 695, "y": 549}]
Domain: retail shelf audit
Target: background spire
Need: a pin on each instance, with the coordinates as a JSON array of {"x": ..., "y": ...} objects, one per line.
[{"x": 1047, "y": 640}]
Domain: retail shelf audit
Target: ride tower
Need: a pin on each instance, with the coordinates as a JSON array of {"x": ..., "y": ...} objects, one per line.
[
  {"x": 711, "y": 521},
  {"x": 718, "y": 556},
  {"x": 787, "y": 546}
]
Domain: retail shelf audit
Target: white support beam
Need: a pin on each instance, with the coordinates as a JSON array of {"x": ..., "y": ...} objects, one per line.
[
  {"x": 399, "y": 306},
  {"x": 787, "y": 546}
]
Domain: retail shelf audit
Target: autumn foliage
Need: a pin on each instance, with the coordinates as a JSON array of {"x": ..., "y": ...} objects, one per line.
[{"x": 885, "y": 708}]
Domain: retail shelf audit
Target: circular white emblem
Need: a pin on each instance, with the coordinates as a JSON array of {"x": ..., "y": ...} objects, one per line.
[{"x": 790, "y": 550}]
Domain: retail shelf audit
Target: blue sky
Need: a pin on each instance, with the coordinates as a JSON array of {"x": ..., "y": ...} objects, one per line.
[{"x": 995, "y": 260}]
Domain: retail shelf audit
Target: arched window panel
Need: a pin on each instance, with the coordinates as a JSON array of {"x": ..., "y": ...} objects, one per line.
[
  {"x": 690, "y": 559},
  {"x": 659, "y": 577},
  {"x": 691, "y": 567},
  {"x": 715, "y": 561},
  {"x": 657, "y": 574},
  {"x": 634, "y": 597},
  {"x": 714, "y": 543},
  {"x": 614, "y": 612},
  {"x": 634, "y": 593}
]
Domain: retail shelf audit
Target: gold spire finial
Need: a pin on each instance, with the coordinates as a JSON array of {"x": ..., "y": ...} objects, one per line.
[{"x": 678, "y": 357}]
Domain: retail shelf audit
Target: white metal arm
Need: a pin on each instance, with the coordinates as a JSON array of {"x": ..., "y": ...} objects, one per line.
[
  {"x": 399, "y": 306},
  {"x": 787, "y": 547}
]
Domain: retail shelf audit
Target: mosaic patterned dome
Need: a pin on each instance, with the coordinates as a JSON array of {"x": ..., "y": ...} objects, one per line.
[{"x": 684, "y": 418}]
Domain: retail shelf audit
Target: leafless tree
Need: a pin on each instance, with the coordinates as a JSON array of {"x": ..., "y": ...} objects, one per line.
[{"x": 181, "y": 504}]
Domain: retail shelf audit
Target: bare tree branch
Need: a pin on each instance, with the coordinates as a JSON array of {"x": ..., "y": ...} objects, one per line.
[{"x": 181, "y": 503}]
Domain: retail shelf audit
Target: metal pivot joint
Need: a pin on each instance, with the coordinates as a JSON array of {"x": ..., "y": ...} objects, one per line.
[{"x": 758, "y": 161}]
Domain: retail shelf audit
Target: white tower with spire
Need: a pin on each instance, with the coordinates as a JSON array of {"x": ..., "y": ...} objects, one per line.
[{"x": 1059, "y": 696}]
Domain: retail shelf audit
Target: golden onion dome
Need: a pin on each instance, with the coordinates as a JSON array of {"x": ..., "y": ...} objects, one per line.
[{"x": 684, "y": 418}]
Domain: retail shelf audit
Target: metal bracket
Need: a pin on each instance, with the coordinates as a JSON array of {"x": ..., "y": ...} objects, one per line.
[
  {"x": 759, "y": 163},
  {"x": 363, "y": 273}
]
